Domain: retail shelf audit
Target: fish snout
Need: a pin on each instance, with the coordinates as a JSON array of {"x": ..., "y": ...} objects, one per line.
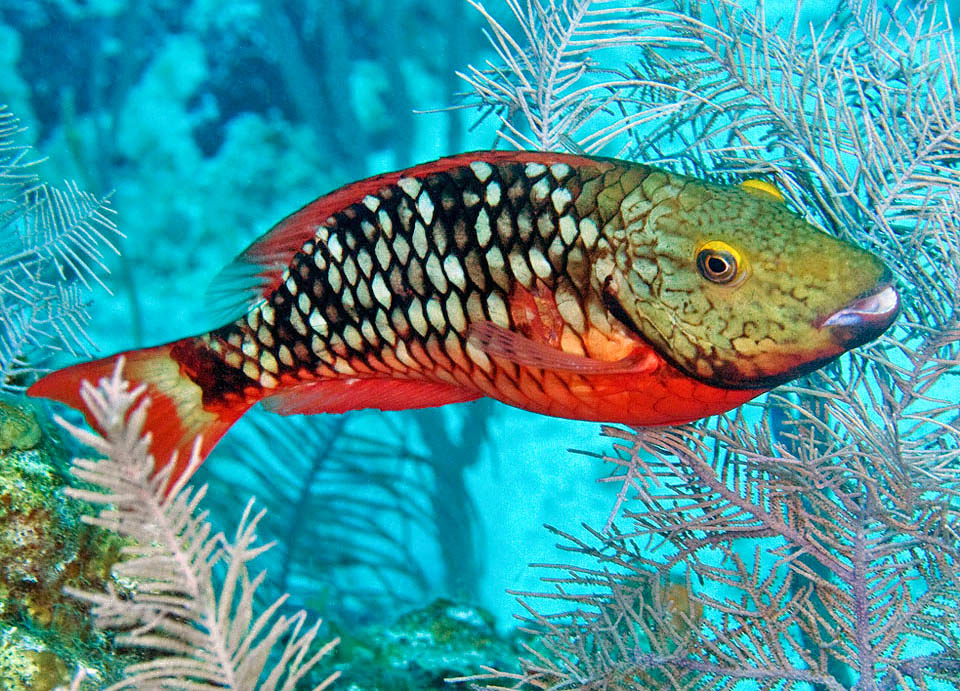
[{"x": 863, "y": 319}]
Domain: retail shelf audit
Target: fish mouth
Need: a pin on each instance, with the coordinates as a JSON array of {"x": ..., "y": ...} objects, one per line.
[{"x": 863, "y": 319}]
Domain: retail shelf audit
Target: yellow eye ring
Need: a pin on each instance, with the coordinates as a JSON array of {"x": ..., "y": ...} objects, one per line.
[{"x": 720, "y": 263}]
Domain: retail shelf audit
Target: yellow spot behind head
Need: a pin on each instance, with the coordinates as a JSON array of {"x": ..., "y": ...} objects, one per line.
[{"x": 762, "y": 188}]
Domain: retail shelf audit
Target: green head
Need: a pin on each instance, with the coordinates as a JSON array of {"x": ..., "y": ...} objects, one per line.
[{"x": 738, "y": 291}]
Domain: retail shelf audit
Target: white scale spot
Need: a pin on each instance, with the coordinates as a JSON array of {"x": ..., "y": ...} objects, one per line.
[
  {"x": 420, "y": 239},
  {"x": 334, "y": 279},
  {"x": 352, "y": 337},
  {"x": 435, "y": 272},
  {"x": 561, "y": 199},
  {"x": 382, "y": 250},
  {"x": 482, "y": 227},
  {"x": 482, "y": 170},
  {"x": 381, "y": 292},
  {"x": 350, "y": 271},
  {"x": 497, "y": 310},
  {"x": 368, "y": 229},
  {"x": 366, "y": 328},
  {"x": 458, "y": 319},
  {"x": 541, "y": 267},
  {"x": 417, "y": 320},
  {"x": 318, "y": 323},
  {"x": 383, "y": 327},
  {"x": 492, "y": 194},
  {"x": 319, "y": 261},
  {"x": 555, "y": 251},
  {"x": 323, "y": 232},
  {"x": 286, "y": 357},
  {"x": 268, "y": 314},
  {"x": 343, "y": 367},
  {"x": 268, "y": 381},
  {"x": 589, "y": 232},
  {"x": 297, "y": 321},
  {"x": 410, "y": 186},
  {"x": 540, "y": 190},
  {"x": 234, "y": 359},
  {"x": 479, "y": 357},
  {"x": 250, "y": 348},
  {"x": 251, "y": 370},
  {"x": 335, "y": 248},
  {"x": 363, "y": 294},
  {"x": 520, "y": 269},
  {"x": 264, "y": 336},
  {"x": 253, "y": 319},
  {"x": 495, "y": 264},
  {"x": 470, "y": 198},
  {"x": 454, "y": 271},
  {"x": 603, "y": 268},
  {"x": 403, "y": 355},
  {"x": 533, "y": 170},
  {"x": 291, "y": 285},
  {"x": 425, "y": 207},
  {"x": 268, "y": 362},
  {"x": 317, "y": 346},
  {"x": 402, "y": 249},
  {"x": 570, "y": 311},
  {"x": 568, "y": 229},
  {"x": 371, "y": 202},
  {"x": 303, "y": 302},
  {"x": 386, "y": 223},
  {"x": 435, "y": 314},
  {"x": 366, "y": 262},
  {"x": 559, "y": 171}
]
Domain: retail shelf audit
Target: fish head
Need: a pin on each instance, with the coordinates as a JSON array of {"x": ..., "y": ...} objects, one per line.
[{"x": 736, "y": 290}]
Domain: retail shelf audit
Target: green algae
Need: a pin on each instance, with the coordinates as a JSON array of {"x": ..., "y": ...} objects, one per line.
[
  {"x": 422, "y": 648},
  {"x": 45, "y": 635}
]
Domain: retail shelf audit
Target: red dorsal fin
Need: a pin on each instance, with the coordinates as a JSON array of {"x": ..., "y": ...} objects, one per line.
[
  {"x": 341, "y": 395},
  {"x": 257, "y": 271},
  {"x": 500, "y": 342}
]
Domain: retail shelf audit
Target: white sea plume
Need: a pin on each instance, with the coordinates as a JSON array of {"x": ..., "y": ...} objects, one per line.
[{"x": 201, "y": 629}]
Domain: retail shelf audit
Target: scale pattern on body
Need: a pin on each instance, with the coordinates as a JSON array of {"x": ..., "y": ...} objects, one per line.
[
  {"x": 390, "y": 285},
  {"x": 578, "y": 287}
]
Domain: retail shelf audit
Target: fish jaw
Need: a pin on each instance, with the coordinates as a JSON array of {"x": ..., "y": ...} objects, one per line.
[
  {"x": 860, "y": 321},
  {"x": 864, "y": 318}
]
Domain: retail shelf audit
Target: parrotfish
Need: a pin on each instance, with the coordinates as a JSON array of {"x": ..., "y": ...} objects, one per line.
[{"x": 573, "y": 286}]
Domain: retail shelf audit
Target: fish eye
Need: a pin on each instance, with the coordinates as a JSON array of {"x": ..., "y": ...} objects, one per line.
[{"x": 719, "y": 263}]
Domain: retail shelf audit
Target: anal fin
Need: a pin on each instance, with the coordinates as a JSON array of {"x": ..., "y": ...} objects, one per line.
[{"x": 341, "y": 395}]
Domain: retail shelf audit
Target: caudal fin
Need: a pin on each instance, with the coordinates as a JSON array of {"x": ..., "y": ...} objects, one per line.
[{"x": 176, "y": 415}]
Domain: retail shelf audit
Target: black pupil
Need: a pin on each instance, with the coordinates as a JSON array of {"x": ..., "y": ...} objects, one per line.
[{"x": 717, "y": 265}]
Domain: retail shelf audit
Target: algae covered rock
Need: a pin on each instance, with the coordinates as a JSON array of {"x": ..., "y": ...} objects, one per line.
[
  {"x": 46, "y": 635},
  {"x": 423, "y": 648}
]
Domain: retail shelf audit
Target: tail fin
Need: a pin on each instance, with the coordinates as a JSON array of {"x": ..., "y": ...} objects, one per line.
[{"x": 176, "y": 414}]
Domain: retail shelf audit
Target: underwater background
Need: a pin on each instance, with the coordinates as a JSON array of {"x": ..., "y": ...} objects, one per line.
[{"x": 205, "y": 122}]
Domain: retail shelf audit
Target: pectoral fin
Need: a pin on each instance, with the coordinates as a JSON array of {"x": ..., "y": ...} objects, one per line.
[{"x": 500, "y": 342}]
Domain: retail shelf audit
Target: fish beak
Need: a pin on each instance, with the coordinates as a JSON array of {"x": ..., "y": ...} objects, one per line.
[{"x": 863, "y": 319}]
